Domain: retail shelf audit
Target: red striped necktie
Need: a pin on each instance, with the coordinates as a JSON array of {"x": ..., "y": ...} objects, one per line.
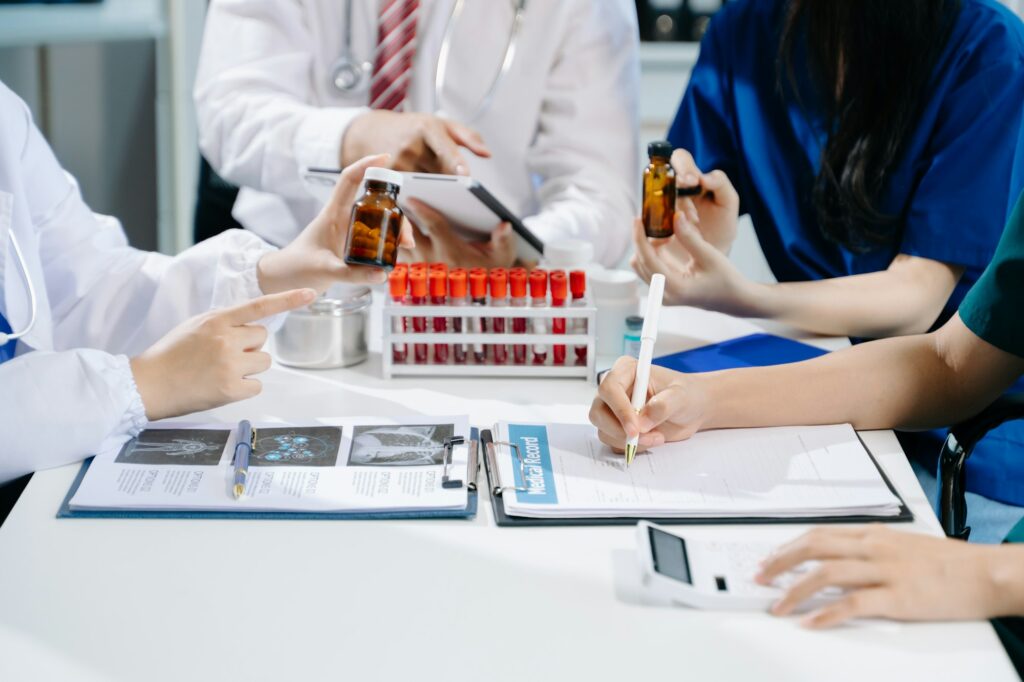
[{"x": 392, "y": 62}]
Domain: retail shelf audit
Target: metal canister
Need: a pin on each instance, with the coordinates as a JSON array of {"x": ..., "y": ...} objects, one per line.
[{"x": 330, "y": 333}]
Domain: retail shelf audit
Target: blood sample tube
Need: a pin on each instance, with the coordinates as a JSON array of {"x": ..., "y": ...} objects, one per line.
[
  {"x": 559, "y": 293},
  {"x": 478, "y": 292},
  {"x": 457, "y": 298},
  {"x": 499, "y": 297},
  {"x": 539, "y": 299},
  {"x": 439, "y": 296},
  {"x": 578, "y": 287},
  {"x": 517, "y": 283},
  {"x": 398, "y": 282},
  {"x": 418, "y": 289}
]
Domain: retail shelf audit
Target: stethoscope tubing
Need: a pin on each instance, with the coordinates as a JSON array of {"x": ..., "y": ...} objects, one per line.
[{"x": 33, "y": 302}]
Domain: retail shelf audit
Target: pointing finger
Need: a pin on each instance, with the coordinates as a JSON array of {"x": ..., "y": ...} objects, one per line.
[{"x": 267, "y": 306}]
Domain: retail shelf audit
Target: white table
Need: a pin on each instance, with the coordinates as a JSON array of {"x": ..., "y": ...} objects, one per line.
[{"x": 428, "y": 600}]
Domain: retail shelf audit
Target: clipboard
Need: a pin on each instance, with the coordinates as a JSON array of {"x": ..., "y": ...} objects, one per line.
[
  {"x": 469, "y": 512},
  {"x": 489, "y": 449}
]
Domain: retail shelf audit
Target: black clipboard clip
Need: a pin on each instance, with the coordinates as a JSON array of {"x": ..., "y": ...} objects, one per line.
[{"x": 447, "y": 481}]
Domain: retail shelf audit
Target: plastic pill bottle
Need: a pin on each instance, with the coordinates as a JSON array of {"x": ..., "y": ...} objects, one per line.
[
  {"x": 376, "y": 221},
  {"x": 659, "y": 191}
]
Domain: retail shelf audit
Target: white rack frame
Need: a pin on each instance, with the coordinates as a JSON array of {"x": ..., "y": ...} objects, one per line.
[{"x": 391, "y": 369}]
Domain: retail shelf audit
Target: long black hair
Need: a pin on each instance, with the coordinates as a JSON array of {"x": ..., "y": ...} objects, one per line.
[{"x": 871, "y": 62}]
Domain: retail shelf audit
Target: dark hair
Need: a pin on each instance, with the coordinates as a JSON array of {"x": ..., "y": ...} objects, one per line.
[{"x": 871, "y": 62}]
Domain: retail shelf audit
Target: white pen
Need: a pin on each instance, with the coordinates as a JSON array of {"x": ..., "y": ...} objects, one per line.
[{"x": 648, "y": 336}]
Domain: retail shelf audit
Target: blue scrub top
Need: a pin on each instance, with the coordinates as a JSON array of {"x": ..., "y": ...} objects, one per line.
[
  {"x": 954, "y": 187},
  {"x": 961, "y": 171}
]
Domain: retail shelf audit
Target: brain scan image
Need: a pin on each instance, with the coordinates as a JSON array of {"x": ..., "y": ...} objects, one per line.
[{"x": 308, "y": 446}]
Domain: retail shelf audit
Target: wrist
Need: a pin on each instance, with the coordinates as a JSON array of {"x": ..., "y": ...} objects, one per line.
[
  {"x": 1004, "y": 578},
  {"x": 145, "y": 384},
  {"x": 753, "y": 299}
]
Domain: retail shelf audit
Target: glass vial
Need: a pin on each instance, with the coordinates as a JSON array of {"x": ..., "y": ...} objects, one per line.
[
  {"x": 659, "y": 191},
  {"x": 376, "y": 221}
]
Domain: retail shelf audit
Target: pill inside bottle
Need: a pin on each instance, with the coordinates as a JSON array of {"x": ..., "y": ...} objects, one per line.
[{"x": 376, "y": 221}]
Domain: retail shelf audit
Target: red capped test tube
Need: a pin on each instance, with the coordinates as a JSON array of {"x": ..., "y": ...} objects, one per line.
[
  {"x": 439, "y": 296},
  {"x": 398, "y": 282},
  {"x": 478, "y": 294},
  {"x": 418, "y": 290},
  {"x": 559, "y": 294},
  {"x": 499, "y": 298},
  {"x": 457, "y": 281},
  {"x": 539, "y": 299},
  {"x": 578, "y": 287},
  {"x": 517, "y": 282}
]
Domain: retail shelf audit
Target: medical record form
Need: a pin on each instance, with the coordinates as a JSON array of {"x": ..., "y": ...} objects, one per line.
[
  {"x": 564, "y": 471},
  {"x": 338, "y": 465}
]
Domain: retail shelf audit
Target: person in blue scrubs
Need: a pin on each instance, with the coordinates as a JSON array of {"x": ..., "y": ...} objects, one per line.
[{"x": 878, "y": 147}]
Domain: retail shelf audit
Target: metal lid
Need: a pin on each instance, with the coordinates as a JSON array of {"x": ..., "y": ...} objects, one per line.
[{"x": 358, "y": 300}]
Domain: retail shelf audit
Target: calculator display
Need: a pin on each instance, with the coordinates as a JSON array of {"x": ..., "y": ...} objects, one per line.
[{"x": 669, "y": 554}]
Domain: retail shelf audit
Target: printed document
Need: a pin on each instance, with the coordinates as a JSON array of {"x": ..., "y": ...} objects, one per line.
[
  {"x": 353, "y": 465},
  {"x": 787, "y": 472}
]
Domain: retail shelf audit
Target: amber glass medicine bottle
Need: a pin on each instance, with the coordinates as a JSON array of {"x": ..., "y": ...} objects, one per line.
[
  {"x": 376, "y": 221},
  {"x": 659, "y": 208}
]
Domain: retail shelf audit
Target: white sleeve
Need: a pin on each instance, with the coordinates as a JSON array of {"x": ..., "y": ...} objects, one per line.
[
  {"x": 258, "y": 125},
  {"x": 586, "y": 150},
  {"x": 37, "y": 431}
]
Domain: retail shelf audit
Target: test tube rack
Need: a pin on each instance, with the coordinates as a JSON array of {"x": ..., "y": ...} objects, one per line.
[{"x": 548, "y": 369}]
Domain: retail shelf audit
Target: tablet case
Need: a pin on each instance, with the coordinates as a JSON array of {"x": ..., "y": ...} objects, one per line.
[
  {"x": 65, "y": 511},
  {"x": 504, "y": 519}
]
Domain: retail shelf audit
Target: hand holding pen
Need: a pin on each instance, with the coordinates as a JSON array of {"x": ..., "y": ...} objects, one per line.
[{"x": 639, "y": 405}]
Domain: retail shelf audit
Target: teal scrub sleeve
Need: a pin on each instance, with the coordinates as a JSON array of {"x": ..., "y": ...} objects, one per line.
[
  {"x": 994, "y": 308},
  {"x": 974, "y": 170}
]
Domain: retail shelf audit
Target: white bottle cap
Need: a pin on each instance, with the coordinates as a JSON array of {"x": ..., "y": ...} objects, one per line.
[
  {"x": 383, "y": 175},
  {"x": 568, "y": 253}
]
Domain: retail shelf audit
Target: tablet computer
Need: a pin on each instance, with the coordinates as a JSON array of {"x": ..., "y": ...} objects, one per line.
[{"x": 472, "y": 210}]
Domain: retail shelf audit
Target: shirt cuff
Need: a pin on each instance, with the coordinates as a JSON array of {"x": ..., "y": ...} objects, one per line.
[{"x": 318, "y": 138}]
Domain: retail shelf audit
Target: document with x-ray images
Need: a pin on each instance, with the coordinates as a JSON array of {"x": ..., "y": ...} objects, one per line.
[{"x": 336, "y": 465}]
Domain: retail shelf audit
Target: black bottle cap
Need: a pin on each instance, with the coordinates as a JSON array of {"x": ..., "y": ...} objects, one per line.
[{"x": 660, "y": 148}]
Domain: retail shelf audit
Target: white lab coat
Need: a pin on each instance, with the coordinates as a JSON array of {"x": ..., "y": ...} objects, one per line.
[
  {"x": 69, "y": 392},
  {"x": 563, "y": 127}
]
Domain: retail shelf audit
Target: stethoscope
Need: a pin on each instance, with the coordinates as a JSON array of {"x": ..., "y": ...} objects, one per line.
[
  {"x": 33, "y": 304},
  {"x": 350, "y": 74}
]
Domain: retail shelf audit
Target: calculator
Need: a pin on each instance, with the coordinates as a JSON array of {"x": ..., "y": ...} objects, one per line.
[{"x": 711, "y": 574}]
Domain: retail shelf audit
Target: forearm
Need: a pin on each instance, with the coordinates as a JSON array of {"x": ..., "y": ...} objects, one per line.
[
  {"x": 894, "y": 383},
  {"x": 894, "y": 302}
]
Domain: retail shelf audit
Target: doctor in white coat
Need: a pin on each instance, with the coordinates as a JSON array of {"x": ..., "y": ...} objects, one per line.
[
  {"x": 97, "y": 338},
  {"x": 557, "y": 142}
]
